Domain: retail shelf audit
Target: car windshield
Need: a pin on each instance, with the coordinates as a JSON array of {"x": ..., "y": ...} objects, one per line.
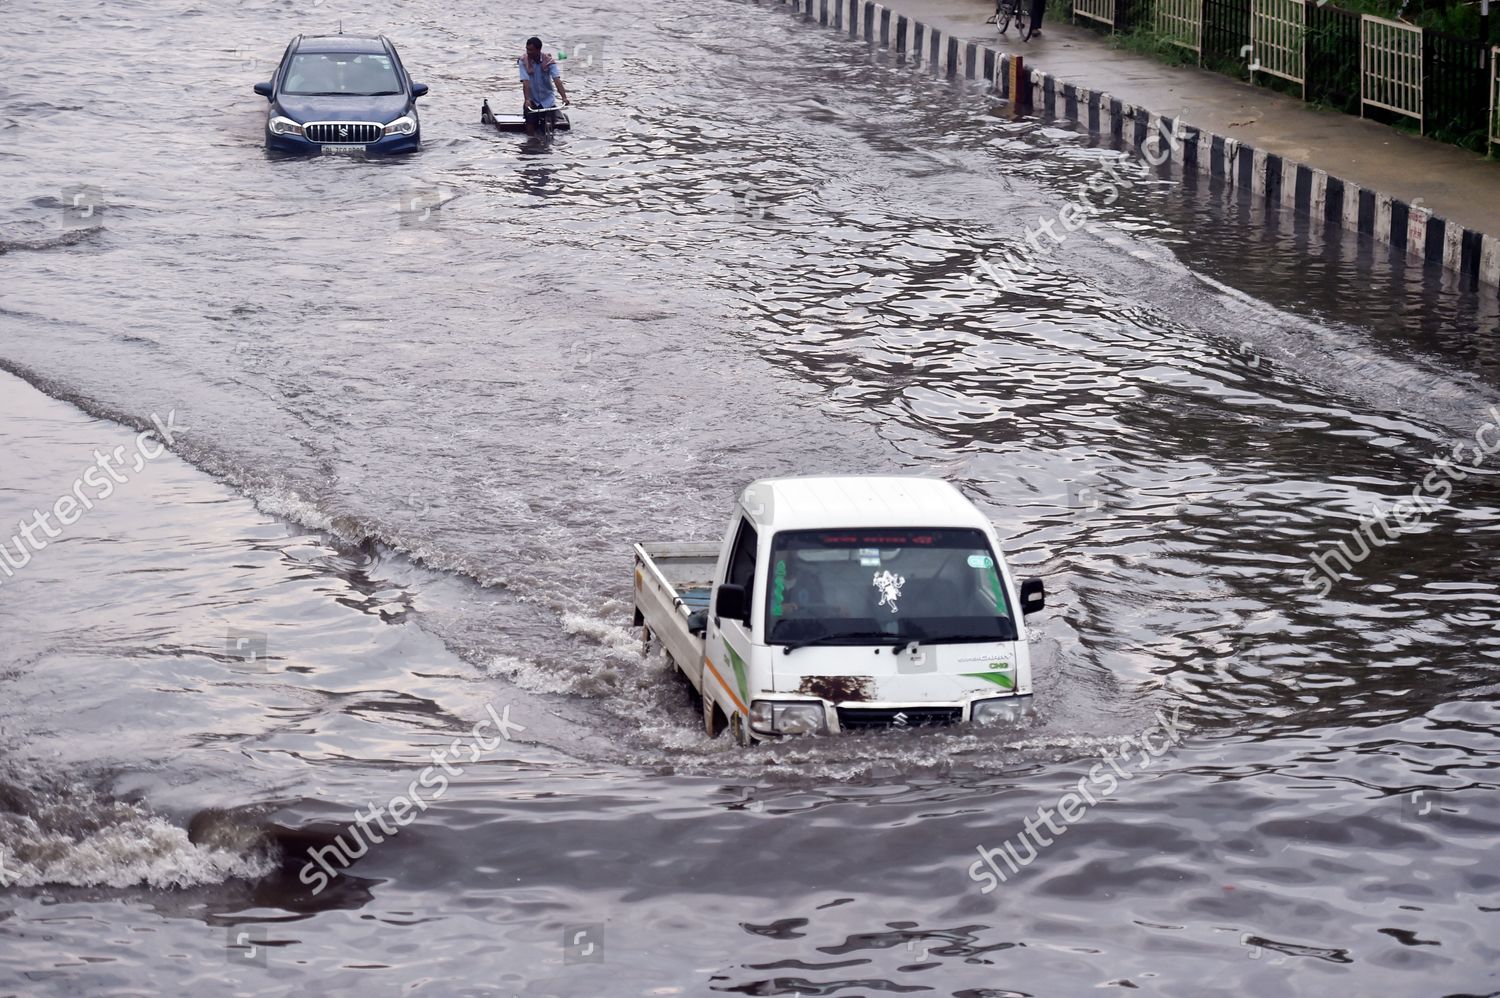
[
  {"x": 351, "y": 74},
  {"x": 870, "y": 586}
]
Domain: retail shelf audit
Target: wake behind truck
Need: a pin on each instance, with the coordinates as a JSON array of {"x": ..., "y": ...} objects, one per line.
[{"x": 839, "y": 604}]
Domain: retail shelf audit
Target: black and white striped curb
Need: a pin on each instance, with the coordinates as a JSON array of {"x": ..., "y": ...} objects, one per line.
[{"x": 1410, "y": 228}]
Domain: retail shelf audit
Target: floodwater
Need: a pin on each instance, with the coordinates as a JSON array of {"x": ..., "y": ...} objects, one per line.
[{"x": 424, "y": 408}]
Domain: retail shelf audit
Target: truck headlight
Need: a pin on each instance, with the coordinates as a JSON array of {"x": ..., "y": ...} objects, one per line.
[
  {"x": 1001, "y": 710},
  {"x": 280, "y": 125},
  {"x": 768, "y": 717},
  {"x": 404, "y": 125}
]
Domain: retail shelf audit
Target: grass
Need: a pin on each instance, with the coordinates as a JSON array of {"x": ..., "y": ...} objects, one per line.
[{"x": 1146, "y": 40}]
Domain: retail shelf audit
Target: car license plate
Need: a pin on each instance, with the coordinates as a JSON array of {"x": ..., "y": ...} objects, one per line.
[{"x": 343, "y": 150}]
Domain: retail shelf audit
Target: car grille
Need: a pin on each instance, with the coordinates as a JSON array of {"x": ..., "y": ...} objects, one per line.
[
  {"x": 858, "y": 718},
  {"x": 342, "y": 131}
]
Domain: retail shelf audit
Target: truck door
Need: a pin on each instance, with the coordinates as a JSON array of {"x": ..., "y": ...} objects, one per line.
[{"x": 729, "y": 641}]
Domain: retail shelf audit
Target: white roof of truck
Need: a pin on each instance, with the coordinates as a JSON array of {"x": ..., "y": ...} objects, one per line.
[{"x": 828, "y": 502}]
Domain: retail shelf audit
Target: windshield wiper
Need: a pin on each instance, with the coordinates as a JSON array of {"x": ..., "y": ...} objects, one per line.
[
  {"x": 954, "y": 639},
  {"x": 849, "y": 637}
]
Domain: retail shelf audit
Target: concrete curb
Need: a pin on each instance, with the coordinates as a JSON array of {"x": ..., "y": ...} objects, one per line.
[{"x": 1309, "y": 191}]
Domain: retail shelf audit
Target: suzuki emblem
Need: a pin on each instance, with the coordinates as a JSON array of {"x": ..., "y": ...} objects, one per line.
[
  {"x": 900, "y": 719},
  {"x": 343, "y": 131}
]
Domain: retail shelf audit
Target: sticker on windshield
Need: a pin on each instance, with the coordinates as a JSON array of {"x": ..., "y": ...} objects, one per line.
[
  {"x": 889, "y": 584},
  {"x": 869, "y": 557},
  {"x": 981, "y": 561}
]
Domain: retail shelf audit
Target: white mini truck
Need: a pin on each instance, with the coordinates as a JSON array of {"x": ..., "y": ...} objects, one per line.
[{"x": 843, "y": 604}]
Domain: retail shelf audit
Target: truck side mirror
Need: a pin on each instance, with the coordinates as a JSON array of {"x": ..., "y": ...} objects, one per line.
[
  {"x": 1033, "y": 596},
  {"x": 730, "y": 601}
]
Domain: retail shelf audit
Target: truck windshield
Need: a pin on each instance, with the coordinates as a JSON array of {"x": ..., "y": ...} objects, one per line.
[{"x": 930, "y": 586}]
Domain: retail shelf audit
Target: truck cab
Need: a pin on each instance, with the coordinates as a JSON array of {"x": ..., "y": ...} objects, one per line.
[{"x": 844, "y": 603}]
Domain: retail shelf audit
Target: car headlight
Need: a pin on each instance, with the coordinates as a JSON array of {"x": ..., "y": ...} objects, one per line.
[
  {"x": 404, "y": 125},
  {"x": 802, "y": 718},
  {"x": 1001, "y": 710},
  {"x": 280, "y": 125}
]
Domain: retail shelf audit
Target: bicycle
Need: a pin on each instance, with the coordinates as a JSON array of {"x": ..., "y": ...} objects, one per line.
[
  {"x": 1018, "y": 11},
  {"x": 542, "y": 119}
]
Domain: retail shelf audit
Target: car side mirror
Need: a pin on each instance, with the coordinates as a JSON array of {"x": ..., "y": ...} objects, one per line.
[
  {"x": 264, "y": 89},
  {"x": 418, "y": 90},
  {"x": 1033, "y": 596},
  {"x": 730, "y": 601}
]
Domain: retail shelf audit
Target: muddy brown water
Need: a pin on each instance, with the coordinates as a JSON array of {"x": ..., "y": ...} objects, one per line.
[{"x": 420, "y": 443}]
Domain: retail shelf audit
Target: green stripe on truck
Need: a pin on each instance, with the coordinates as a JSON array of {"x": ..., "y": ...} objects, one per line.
[{"x": 1001, "y": 679}]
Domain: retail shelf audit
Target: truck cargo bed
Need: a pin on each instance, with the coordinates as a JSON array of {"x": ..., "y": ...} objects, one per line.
[{"x": 673, "y": 579}]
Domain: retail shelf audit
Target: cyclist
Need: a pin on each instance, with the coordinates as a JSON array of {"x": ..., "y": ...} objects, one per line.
[
  {"x": 1026, "y": 15},
  {"x": 1038, "y": 8},
  {"x": 540, "y": 74}
]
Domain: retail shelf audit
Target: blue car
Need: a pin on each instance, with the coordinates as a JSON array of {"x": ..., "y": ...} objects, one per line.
[{"x": 342, "y": 94}]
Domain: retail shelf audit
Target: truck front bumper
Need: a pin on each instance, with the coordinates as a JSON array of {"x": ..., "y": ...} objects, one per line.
[{"x": 799, "y": 716}]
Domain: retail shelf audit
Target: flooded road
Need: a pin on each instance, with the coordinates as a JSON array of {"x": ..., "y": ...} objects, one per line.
[{"x": 430, "y": 403}]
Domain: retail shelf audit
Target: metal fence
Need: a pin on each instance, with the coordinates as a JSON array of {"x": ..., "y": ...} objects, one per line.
[
  {"x": 1120, "y": 15},
  {"x": 1455, "y": 85},
  {"x": 1181, "y": 23},
  {"x": 1098, "y": 10},
  {"x": 1129, "y": 13},
  {"x": 1495, "y": 96},
  {"x": 1277, "y": 45},
  {"x": 1357, "y": 63},
  {"x": 1390, "y": 67},
  {"x": 1332, "y": 59},
  {"x": 1226, "y": 30}
]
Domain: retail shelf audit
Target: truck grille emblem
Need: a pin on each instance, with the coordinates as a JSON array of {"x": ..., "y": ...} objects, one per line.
[{"x": 899, "y": 720}]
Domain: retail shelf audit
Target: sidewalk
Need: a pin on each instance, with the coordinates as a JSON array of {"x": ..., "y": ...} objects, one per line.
[{"x": 1402, "y": 178}]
